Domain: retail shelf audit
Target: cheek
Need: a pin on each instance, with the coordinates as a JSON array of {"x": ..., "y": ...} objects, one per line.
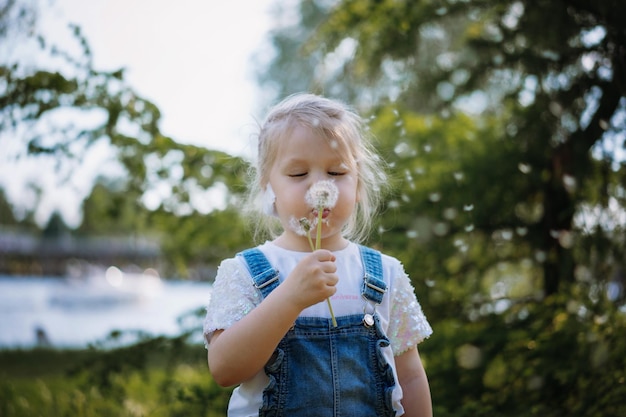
[
  {"x": 352, "y": 190},
  {"x": 349, "y": 195},
  {"x": 289, "y": 196}
]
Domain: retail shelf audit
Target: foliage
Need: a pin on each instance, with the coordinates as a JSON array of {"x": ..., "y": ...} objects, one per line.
[
  {"x": 503, "y": 123},
  {"x": 194, "y": 244},
  {"x": 7, "y": 218},
  {"x": 65, "y": 111},
  {"x": 549, "y": 358},
  {"x": 555, "y": 80},
  {"x": 156, "y": 377}
]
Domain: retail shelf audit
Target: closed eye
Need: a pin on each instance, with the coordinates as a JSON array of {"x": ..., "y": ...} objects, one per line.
[
  {"x": 297, "y": 175},
  {"x": 336, "y": 174}
]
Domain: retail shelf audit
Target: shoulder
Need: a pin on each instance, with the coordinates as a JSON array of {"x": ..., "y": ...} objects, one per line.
[
  {"x": 233, "y": 279},
  {"x": 239, "y": 260},
  {"x": 391, "y": 262},
  {"x": 232, "y": 270},
  {"x": 392, "y": 270},
  {"x": 231, "y": 266},
  {"x": 392, "y": 266}
]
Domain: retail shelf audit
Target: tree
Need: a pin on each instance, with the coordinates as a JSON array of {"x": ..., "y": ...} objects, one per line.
[
  {"x": 503, "y": 123},
  {"x": 6, "y": 213},
  {"x": 554, "y": 71},
  {"x": 60, "y": 108},
  {"x": 65, "y": 108}
]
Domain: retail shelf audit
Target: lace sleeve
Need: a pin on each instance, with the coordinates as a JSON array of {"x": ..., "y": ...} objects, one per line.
[
  {"x": 232, "y": 297},
  {"x": 408, "y": 325}
]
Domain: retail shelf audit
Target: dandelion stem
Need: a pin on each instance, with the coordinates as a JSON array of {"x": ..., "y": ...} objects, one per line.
[
  {"x": 318, "y": 245},
  {"x": 332, "y": 313},
  {"x": 318, "y": 237},
  {"x": 308, "y": 235}
]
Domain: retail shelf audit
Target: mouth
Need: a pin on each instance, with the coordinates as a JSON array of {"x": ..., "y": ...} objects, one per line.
[{"x": 325, "y": 213}]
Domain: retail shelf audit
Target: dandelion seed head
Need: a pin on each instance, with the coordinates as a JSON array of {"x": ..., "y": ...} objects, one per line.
[
  {"x": 305, "y": 224},
  {"x": 302, "y": 226},
  {"x": 322, "y": 194},
  {"x": 299, "y": 226}
]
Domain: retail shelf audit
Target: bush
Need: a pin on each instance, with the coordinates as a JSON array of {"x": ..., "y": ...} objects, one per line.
[{"x": 155, "y": 377}]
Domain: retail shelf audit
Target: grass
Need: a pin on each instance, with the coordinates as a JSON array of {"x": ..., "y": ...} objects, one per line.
[{"x": 159, "y": 377}]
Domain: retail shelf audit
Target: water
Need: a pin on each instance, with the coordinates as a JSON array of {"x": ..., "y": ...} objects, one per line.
[{"x": 75, "y": 313}]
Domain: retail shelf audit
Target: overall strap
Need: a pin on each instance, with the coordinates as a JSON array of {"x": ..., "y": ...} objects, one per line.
[
  {"x": 374, "y": 286},
  {"x": 265, "y": 277}
]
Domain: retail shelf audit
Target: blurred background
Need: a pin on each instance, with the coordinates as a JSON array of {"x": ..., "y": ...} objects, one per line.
[{"x": 127, "y": 128}]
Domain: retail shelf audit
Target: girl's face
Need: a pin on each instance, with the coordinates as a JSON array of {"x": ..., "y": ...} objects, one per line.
[{"x": 302, "y": 160}]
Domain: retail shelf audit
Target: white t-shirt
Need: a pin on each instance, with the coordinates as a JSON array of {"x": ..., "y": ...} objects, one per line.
[{"x": 234, "y": 295}]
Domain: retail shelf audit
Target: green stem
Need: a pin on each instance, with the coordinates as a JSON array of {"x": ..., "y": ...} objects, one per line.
[
  {"x": 318, "y": 238},
  {"x": 332, "y": 314},
  {"x": 318, "y": 245}
]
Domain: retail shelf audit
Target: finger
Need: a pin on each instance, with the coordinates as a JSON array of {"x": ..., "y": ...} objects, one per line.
[
  {"x": 324, "y": 255},
  {"x": 333, "y": 279},
  {"x": 329, "y": 267}
]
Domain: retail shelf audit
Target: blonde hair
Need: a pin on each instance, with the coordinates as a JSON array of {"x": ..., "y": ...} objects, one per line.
[{"x": 345, "y": 130}]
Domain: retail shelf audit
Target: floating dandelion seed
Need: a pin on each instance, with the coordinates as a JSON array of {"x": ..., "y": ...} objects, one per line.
[
  {"x": 524, "y": 168},
  {"x": 570, "y": 183},
  {"x": 434, "y": 197},
  {"x": 403, "y": 149},
  {"x": 540, "y": 256}
]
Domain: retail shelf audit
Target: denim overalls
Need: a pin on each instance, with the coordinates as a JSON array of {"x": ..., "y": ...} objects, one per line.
[{"x": 320, "y": 370}]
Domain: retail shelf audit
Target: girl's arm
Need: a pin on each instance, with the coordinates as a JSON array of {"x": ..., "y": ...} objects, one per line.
[
  {"x": 415, "y": 390},
  {"x": 240, "y": 352}
]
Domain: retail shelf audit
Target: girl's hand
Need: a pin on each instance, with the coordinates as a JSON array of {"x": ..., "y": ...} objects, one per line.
[{"x": 313, "y": 279}]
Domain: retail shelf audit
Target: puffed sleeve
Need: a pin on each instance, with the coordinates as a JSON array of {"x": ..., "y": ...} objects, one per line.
[
  {"x": 408, "y": 325},
  {"x": 233, "y": 295}
]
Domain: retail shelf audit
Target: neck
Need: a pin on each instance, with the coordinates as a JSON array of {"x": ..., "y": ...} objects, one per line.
[{"x": 301, "y": 244}]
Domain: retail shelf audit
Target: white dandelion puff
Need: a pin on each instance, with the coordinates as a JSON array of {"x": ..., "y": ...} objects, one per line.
[
  {"x": 322, "y": 195},
  {"x": 302, "y": 226}
]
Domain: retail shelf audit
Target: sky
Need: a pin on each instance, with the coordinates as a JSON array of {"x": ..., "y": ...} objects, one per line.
[
  {"x": 192, "y": 58},
  {"x": 175, "y": 52}
]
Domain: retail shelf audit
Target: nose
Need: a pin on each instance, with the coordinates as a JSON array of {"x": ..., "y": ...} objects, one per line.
[{"x": 317, "y": 176}]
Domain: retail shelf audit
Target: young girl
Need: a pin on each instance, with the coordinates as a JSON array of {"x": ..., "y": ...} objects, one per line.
[{"x": 315, "y": 324}]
